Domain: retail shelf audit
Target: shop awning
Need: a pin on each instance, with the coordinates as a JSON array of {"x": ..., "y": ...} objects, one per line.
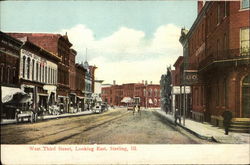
[
  {"x": 14, "y": 96},
  {"x": 9, "y": 92},
  {"x": 126, "y": 100}
]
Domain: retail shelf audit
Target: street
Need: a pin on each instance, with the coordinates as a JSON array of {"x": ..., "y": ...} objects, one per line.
[{"x": 116, "y": 126}]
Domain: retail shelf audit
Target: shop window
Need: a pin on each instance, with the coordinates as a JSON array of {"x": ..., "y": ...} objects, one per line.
[
  {"x": 245, "y": 4},
  {"x": 244, "y": 41}
]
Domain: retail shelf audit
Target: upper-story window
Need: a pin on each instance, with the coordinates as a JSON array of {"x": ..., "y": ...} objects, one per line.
[
  {"x": 245, "y": 4},
  {"x": 24, "y": 64},
  {"x": 218, "y": 14},
  {"x": 244, "y": 41}
]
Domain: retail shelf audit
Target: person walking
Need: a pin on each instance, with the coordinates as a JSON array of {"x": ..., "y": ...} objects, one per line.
[
  {"x": 227, "y": 117},
  {"x": 177, "y": 116}
]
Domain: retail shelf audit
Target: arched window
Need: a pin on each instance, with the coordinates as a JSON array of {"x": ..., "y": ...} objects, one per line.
[
  {"x": 33, "y": 69},
  {"x": 24, "y": 66},
  {"x": 14, "y": 75},
  {"x": 40, "y": 72},
  {"x": 28, "y": 68},
  {"x": 49, "y": 75},
  {"x": 37, "y": 71},
  {"x": 156, "y": 92},
  {"x": 53, "y": 76},
  {"x": 46, "y": 75}
]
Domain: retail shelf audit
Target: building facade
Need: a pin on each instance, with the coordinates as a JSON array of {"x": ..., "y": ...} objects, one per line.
[
  {"x": 9, "y": 69},
  {"x": 147, "y": 94},
  {"x": 219, "y": 52}
]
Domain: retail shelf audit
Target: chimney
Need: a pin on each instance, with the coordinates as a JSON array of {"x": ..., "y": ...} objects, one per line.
[
  {"x": 113, "y": 82},
  {"x": 151, "y": 82},
  {"x": 142, "y": 81},
  {"x": 200, "y": 5},
  {"x": 146, "y": 82}
]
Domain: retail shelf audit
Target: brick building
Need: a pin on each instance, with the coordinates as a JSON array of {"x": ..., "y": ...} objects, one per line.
[
  {"x": 79, "y": 86},
  {"x": 218, "y": 49},
  {"x": 60, "y": 46},
  {"x": 9, "y": 69},
  {"x": 148, "y": 94}
]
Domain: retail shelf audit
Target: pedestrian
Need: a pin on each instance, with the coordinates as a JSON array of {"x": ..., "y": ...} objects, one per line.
[
  {"x": 227, "y": 117},
  {"x": 177, "y": 116}
]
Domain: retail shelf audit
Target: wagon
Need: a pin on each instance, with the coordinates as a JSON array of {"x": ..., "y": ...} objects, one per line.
[{"x": 26, "y": 114}]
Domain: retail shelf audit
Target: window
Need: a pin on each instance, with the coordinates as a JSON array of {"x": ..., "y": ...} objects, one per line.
[
  {"x": 40, "y": 73},
  {"x": 28, "y": 68},
  {"x": 218, "y": 14},
  {"x": 245, "y": 4},
  {"x": 225, "y": 8},
  {"x": 33, "y": 69},
  {"x": 244, "y": 41},
  {"x": 14, "y": 74},
  {"x": 37, "y": 71},
  {"x": 225, "y": 42},
  {"x": 24, "y": 58},
  {"x": 8, "y": 74},
  {"x": 46, "y": 74},
  {"x": 1, "y": 72}
]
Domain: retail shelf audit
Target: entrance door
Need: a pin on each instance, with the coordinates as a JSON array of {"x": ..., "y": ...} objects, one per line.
[{"x": 246, "y": 97}]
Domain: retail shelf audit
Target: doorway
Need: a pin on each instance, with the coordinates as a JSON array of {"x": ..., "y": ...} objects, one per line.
[{"x": 246, "y": 97}]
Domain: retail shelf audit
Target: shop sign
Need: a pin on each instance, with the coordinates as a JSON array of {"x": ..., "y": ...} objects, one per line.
[{"x": 191, "y": 77}]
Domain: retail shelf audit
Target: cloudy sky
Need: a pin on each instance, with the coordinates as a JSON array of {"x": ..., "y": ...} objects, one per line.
[{"x": 129, "y": 41}]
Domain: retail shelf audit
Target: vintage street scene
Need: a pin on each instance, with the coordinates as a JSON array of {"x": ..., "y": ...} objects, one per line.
[{"x": 125, "y": 72}]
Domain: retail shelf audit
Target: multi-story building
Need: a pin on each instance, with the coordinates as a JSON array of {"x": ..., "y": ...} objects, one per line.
[
  {"x": 80, "y": 86},
  {"x": 60, "y": 46},
  {"x": 219, "y": 52},
  {"x": 147, "y": 94},
  {"x": 9, "y": 69}
]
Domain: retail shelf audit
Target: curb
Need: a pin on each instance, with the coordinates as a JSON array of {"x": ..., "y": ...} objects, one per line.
[
  {"x": 191, "y": 131},
  {"x": 41, "y": 118}
]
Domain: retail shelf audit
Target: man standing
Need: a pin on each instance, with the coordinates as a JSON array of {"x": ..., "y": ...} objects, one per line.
[
  {"x": 227, "y": 117},
  {"x": 177, "y": 116}
]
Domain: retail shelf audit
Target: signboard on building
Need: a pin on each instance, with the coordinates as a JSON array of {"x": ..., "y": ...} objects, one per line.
[
  {"x": 191, "y": 77},
  {"x": 179, "y": 90}
]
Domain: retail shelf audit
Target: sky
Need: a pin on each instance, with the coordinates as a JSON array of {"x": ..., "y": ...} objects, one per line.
[{"x": 129, "y": 41}]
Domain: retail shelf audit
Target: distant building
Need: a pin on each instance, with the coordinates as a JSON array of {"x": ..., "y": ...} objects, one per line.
[{"x": 148, "y": 94}]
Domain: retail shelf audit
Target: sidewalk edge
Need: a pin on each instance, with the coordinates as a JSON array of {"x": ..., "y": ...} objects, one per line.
[{"x": 191, "y": 131}]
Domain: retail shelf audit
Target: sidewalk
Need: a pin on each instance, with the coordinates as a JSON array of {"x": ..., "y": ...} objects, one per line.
[
  {"x": 47, "y": 117},
  {"x": 209, "y": 132}
]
